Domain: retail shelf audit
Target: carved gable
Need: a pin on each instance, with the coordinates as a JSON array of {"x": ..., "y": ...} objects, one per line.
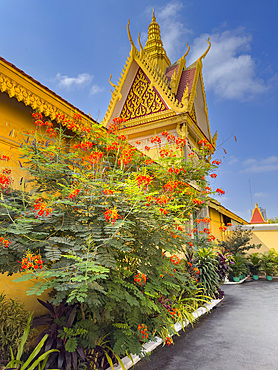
[{"x": 142, "y": 99}]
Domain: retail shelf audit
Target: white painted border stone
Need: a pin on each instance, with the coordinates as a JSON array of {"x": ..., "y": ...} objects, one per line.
[
  {"x": 227, "y": 282},
  {"x": 152, "y": 344}
]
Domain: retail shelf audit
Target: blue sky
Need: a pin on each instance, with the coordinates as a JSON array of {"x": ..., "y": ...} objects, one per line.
[{"x": 72, "y": 47}]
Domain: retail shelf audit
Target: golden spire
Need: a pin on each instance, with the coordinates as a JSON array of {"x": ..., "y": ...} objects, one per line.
[{"x": 154, "y": 46}]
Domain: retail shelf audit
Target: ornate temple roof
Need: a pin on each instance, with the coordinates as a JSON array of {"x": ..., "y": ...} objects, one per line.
[{"x": 151, "y": 89}]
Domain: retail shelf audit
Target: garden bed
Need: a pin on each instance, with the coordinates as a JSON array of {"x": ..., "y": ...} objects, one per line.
[{"x": 151, "y": 345}]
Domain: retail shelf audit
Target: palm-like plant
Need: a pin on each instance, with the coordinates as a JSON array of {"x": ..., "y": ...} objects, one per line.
[
  {"x": 33, "y": 362},
  {"x": 207, "y": 265}
]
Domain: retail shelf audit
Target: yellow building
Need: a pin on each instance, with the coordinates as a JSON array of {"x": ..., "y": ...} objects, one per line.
[
  {"x": 263, "y": 232},
  {"x": 152, "y": 94}
]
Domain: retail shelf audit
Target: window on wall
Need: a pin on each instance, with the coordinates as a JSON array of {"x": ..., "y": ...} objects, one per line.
[{"x": 226, "y": 220}]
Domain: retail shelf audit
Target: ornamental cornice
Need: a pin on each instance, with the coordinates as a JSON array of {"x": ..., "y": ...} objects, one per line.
[
  {"x": 22, "y": 94},
  {"x": 162, "y": 122},
  {"x": 24, "y": 89},
  {"x": 15, "y": 90}
]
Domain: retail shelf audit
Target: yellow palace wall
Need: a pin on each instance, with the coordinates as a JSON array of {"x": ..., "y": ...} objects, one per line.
[{"x": 15, "y": 118}]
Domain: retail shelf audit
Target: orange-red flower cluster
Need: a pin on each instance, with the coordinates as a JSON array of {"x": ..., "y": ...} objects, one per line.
[
  {"x": 111, "y": 215},
  {"x": 204, "y": 143},
  {"x": 4, "y": 242},
  {"x": 220, "y": 191},
  {"x": 126, "y": 155},
  {"x": 4, "y": 181},
  {"x": 31, "y": 262},
  {"x": 144, "y": 180},
  {"x": 4, "y": 157},
  {"x": 166, "y": 153},
  {"x": 39, "y": 121},
  {"x": 147, "y": 147},
  {"x": 216, "y": 162},
  {"x": 156, "y": 139},
  {"x": 173, "y": 312},
  {"x": 213, "y": 175},
  {"x": 84, "y": 146},
  {"x": 41, "y": 208},
  {"x": 143, "y": 329},
  {"x": 95, "y": 157},
  {"x": 197, "y": 201},
  {"x": 74, "y": 193},
  {"x": 175, "y": 259},
  {"x": 168, "y": 341},
  {"x": 140, "y": 279},
  {"x": 223, "y": 228},
  {"x": 171, "y": 139},
  {"x": 196, "y": 270},
  {"x": 114, "y": 146},
  {"x": 163, "y": 211},
  {"x": 107, "y": 192},
  {"x": 7, "y": 171}
]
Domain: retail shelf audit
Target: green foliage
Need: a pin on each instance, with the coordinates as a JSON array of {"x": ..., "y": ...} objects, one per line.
[
  {"x": 273, "y": 220},
  {"x": 12, "y": 324},
  {"x": 208, "y": 266},
  {"x": 105, "y": 222},
  {"x": 238, "y": 242},
  {"x": 269, "y": 262},
  {"x": 254, "y": 263},
  {"x": 240, "y": 265},
  {"x": 34, "y": 361}
]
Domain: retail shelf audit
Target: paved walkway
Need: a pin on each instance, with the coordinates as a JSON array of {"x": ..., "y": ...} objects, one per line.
[{"x": 240, "y": 333}]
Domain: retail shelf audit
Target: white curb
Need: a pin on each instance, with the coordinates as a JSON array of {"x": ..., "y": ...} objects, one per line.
[
  {"x": 235, "y": 282},
  {"x": 151, "y": 345}
]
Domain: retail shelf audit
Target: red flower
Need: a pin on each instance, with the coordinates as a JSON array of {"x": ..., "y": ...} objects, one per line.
[
  {"x": 175, "y": 259},
  {"x": 220, "y": 191},
  {"x": 107, "y": 192},
  {"x": 111, "y": 215},
  {"x": 140, "y": 279},
  {"x": 213, "y": 175},
  {"x": 147, "y": 147}
]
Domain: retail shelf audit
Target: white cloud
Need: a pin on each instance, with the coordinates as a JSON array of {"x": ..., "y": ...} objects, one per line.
[
  {"x": 233, "y": 160},
  {"x": 83, "y": 79},
  {"x": 260, "y": 195},
  {"x": 229, "y": 69},
  {"x": 268, "y": 164},
  {"x": 95, "y": 89},
  {"x": 173, "y": 31}
]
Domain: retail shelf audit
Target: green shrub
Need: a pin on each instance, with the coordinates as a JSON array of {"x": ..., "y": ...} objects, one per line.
[{"x": 12, "y": 324}]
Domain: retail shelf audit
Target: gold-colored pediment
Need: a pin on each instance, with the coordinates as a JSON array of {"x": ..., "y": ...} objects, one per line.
[{"x": 142, "y": 99}]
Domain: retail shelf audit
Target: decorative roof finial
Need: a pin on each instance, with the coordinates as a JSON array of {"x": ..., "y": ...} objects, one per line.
[
  {"x": 139, "y": 42},
  {"x": 111, "y": 83},
  {"x": 129, "y": 35},
  {"x": 205, "y": 53},
  {"x": 153, "y": 18},
  {"x": 188, "y": 48}
]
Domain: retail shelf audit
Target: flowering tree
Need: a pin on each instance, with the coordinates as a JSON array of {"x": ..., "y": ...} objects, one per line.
[{"x": 102, "y": 226}]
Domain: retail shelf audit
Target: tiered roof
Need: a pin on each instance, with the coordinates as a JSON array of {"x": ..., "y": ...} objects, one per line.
[{"x": 148, "y": 73}]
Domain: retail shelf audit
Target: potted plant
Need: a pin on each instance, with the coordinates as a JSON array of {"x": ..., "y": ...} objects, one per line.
[
  {"x": 255, "y": 265},
  {"x": 268, "y": 263},
  {"x": 239, "y": 268}
]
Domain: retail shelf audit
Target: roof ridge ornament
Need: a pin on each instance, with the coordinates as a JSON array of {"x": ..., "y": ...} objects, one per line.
[
  {"x": 205, "y": 53},
  {"x": 129, "y": 35},
  {"x": 187, "y": 51},
  {"x": 139, "y": 42}
]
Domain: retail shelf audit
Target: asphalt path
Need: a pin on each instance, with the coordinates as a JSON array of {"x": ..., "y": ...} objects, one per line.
[{"x": 240, "y": 333}]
